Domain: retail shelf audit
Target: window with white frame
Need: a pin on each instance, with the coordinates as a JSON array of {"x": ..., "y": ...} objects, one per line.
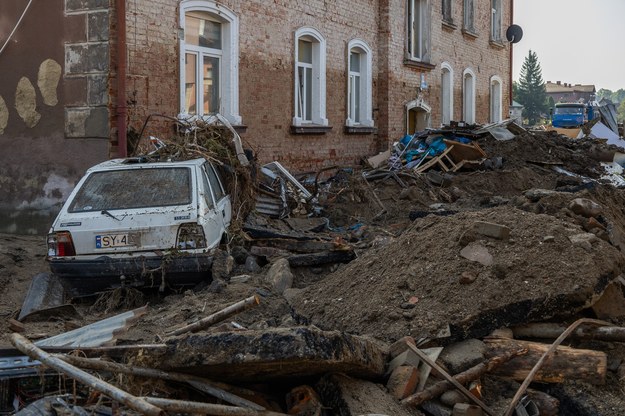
[
  {"x": 359, "y": 84},
  {"x": 468, "y": 96},
  {"x": 209, "y": 76},
  {"x": 495, "y": 99},
  {"x": 448, "y": 11},
  {"x": 495, "y": 20},
  {"x": 447, "y": 94},
  {"x": 418, "y": 30},
  {"x": 310, "y": 78},
  {"x": 469, "y": 16}
]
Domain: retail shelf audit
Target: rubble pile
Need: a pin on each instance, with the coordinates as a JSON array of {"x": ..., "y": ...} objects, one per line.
[{"x": 417, "y": 286}]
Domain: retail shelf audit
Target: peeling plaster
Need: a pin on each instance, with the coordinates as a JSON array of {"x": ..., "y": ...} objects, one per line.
[
  {"x": 26, "y": 102},
  {"x": 48, "y": 81},
  {"x": 56, "y": 190},
  {"x": 4, "y": 115}
]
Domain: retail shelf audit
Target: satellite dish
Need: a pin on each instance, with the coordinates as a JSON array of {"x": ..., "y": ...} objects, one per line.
[{"x": 514, "y": 33}]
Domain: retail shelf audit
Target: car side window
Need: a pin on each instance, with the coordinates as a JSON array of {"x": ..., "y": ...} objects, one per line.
[
  {"x": 215, "y": 185},
  {"x": 208, "y": 197}
]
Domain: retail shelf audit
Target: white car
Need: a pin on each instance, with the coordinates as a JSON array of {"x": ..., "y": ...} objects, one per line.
[{"x": 135, "y": 222}]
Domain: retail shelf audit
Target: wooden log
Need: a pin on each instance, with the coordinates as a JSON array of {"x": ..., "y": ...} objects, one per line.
[
  {"x": 554, "y": 330},
  {"x": 567, "y": 363},
  {"x": 207, "y": 408},
  {"x": 217, "y": 390},
  {"x": 316, "y": 259},
  {"x": 107, "y": 389},
  {"x": 464, "y": 377},
  {"x": 217, "y": 316},
  {"x": 305, "y": 246}
]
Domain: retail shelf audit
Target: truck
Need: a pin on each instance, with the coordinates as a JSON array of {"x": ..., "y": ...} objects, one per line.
[{"x": 571, "y": 115}]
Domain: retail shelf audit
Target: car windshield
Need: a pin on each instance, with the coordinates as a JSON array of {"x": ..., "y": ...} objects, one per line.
[
  {"x": 133, "y": 188},
  {"x": 569, "y": 110}
]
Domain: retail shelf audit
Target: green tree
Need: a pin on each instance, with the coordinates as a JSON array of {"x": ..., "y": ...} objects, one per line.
[
  {"x": 621, "y": 112},
  {"x": 604, "y": 93},
  {"x": 531, "y": 91},
  {"x": 618, "y": 96}
]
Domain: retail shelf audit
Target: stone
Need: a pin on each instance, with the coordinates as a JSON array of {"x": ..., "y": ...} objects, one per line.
[
  {"x": 239, "y": 254},
  {"x": 402, "y": 382},
  {"x": 585, "y": 207},
  {"x": 463, "y": 355},
  {"x": 242, "y": 278},
  {"x": 223, "y": 263},
  {"x": 408, "y": 357},
  {"x": 217, "y": 286},
  {"x": 467, "y": 277},
  {"x": 465, "y": 409},
  {"x": 549, "y": 239},
  {"x": 611, "y": 304},
  {"x": 251, "y": 264},
  {"x": 489, "y": 229},
  {"x": 583, "y": 240},
  {"x": 453, "y": 397},
  {"x": 280, "y": 276},
  {"x": 478, "y": 253},
  {"x": 536, "y": 194}
]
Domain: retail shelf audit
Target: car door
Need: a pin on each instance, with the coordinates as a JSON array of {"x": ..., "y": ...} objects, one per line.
[
  {"x": 210, "y": 216},
  {"x": 222, "y": 200}
]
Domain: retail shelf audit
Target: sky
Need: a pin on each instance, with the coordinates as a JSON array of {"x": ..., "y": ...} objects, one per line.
[{"x": 577, "y": 41}]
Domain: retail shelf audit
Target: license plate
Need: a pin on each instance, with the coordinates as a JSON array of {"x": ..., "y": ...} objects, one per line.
[{"x": 114, "y": 240}]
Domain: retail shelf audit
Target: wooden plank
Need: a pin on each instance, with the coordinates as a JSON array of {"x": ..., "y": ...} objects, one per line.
[{"x": 461, "y": 151}]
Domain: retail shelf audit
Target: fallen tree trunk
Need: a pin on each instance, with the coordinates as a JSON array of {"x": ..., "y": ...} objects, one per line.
[
  {"x": 554, "y": 330},
  {"x": 465, "y": 377},
  {"x": 566, "y": 363},
  {"x": 207, "y": 408},
  {"x": 214, "y": 389},
  {"x": 217, "y": 316},
  {"x": 113, "y": 392},
  {"x": 316, "y": 259}
]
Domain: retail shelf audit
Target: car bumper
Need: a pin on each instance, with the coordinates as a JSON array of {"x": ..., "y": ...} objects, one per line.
[{"x": 82, "y": 277}]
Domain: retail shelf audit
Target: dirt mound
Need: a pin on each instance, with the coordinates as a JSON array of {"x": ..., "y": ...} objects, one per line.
[{"x": 413, "y": 285}]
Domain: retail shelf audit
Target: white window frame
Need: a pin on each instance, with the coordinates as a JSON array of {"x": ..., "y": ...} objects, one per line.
[
  {"x": 366, "y": 81},
  {"x": 468, "y": 20},
  {"x": 468, "y": 96},
  {"x": 496, "y": 99},
  {"x": 418, "y": 30},
  {"x": 229, "y": 57},
  {"x": 318, "y": 113},
  {"x": 495, "y": 20},
  {"x": 447, "y": 96}
]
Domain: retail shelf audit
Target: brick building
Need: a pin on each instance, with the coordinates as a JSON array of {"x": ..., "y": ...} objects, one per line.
[{"x": 310, "y": 84}]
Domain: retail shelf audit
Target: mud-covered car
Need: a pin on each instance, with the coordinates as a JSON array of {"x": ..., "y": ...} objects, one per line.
[{"x": 137, "y": 223}]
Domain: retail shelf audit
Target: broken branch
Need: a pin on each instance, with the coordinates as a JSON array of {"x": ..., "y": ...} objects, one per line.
[
  {"x": 467, "y": 376},
  {"x": 217, "y": 316},
  {"x": 135, "y": 403},
  {"x": 554, "y": 330}
]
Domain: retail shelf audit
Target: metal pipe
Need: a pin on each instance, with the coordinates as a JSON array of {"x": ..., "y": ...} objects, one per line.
[{"x": 121, "y": 110}]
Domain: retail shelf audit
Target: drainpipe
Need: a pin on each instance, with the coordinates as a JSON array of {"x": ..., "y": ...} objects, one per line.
[
  {"x": 511, "y": 47},
  {"x": 121, "y": 79}
]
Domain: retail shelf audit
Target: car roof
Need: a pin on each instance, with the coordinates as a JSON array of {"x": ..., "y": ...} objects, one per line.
[{"x": 142, "y": 163}]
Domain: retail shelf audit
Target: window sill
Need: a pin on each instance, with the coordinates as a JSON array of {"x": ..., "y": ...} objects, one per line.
[
  {"x": 449, "y": 24},
  {"x": 468, "y": 33},
  {"x": 359, "y": 130},
  {"x": 419, "y": 65},
  {"x": 310, "y": 129},
  {"x": 497, "y": 44}
]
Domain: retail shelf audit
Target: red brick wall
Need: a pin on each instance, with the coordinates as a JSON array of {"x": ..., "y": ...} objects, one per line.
[{"x": 266, "y": 33}]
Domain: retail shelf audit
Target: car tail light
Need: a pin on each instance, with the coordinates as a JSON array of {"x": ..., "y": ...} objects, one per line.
[
  {"x": 60, "y": 244},
  {"x": 190, "y": 236}
]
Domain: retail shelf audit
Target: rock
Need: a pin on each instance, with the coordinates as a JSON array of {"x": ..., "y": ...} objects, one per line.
[
  {"x": 585, "y": 207},
  {"x": 535, "y": 195},
  {"x": 223, "y": 263},
  {"x": 217, "y": 286},
  {"x": 583, "y": 240},
  {"x": 408, "y": 357},
  {"x": 611, "y": 304},
  {"x": 242, "y": 278},
  {"x": 452, "y": 397},
  {"x": 467, "y": 277},
  {"x": 478, "y": 253},
  {"x": 279, "y": 276},
  {"x": 463, "y": 355},
  {"x": 251, "y": 264},
  {"x": 400, "y": 346},
  {"x": 465, "y": 409},
  {"x": 239, "y": 254},
  {"x": 549, "y": 239},
  {"x": 489, "y": 229}
]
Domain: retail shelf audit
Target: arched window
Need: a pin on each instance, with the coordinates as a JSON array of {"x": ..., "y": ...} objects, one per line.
[
  {"x": 359, "y": 95},
  {"x": 310, "y": 78},
  {"x": 495, "y": 99},
  {"x": 417, "y": 116},
  {"x": 209, "y": 60},
  {"x": 447, "y": 93},
  {"x": 468, "y": 96}
]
